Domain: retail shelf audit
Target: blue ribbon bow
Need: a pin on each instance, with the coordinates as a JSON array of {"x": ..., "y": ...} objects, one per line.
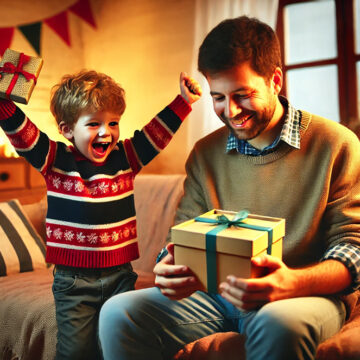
[{"x": 224, "y": 222}]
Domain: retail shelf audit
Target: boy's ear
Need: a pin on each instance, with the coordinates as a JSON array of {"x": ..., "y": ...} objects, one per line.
[{"x": 66, "y": 130}]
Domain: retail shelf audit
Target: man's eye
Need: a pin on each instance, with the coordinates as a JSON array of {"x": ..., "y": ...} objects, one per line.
[
  {"x": 218, "y": 98},
  {"x": 242, "y": 96}
]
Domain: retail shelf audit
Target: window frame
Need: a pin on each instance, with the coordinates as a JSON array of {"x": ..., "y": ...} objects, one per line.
[{"x": 345, "y": 61}]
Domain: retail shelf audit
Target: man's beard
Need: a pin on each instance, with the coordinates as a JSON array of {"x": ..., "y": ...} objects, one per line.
[{"x": 260, "y": 123}]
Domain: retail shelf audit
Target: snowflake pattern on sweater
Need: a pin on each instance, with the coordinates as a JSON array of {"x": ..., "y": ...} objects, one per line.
[{"x": 91, "y": 220}]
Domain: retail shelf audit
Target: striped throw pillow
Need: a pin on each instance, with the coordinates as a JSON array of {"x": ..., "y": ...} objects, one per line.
[{"x": 21, "y": 248}]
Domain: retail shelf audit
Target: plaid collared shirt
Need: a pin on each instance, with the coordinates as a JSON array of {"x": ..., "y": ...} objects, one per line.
[
  {"x": 290, "y": 133},
  {"x": 347, "y": 253}
]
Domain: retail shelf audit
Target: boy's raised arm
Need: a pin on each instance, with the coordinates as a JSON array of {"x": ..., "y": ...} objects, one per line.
[{"x": 156, "y": 135}]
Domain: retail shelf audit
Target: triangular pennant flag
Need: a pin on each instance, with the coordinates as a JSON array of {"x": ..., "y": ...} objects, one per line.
[
  {"x": 6, "y": 35},
  {"x": 82, "y": 8},
  {"x": 32, "y": 32},
  {"x": 59, "y": 23}
]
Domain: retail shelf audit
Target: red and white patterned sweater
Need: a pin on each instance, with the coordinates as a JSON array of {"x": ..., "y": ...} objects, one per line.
[{"x": 91, "y": 220}]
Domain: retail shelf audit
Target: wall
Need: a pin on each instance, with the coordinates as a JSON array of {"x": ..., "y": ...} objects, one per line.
[
  {"x": 58, "y": 58},
  {"x": 142, "y": 44},
  {"x": 145, "y": 45}
]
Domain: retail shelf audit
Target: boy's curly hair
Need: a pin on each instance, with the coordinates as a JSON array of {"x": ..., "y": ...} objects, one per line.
[{"x": 86, "y": 90}]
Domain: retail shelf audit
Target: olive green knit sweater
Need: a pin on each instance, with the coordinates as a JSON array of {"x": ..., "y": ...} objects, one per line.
[{"x": 315, "y": 188}]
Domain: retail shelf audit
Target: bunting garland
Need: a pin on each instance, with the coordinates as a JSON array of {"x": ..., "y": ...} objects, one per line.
[
  {"x": 32, "y": 33},
  {"x": 58, "y": 23},
  {"x": 6, "y": 36},
  {"x": 83, "y": 10}
]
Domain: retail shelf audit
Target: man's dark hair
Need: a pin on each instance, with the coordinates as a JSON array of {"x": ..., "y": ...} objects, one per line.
[{"x": 235, "y": 41}]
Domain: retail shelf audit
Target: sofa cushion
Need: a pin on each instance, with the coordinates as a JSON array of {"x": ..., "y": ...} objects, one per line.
[
  {"x": 156, "y": 200},
  {"x": 218, "y": 346},
  {"x": 36, "y": 213},
  {"x": 21, "y": 248},
  {"x": 345, "y": 344}
]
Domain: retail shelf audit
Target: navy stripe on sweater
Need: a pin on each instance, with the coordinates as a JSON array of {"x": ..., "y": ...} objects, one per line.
[
  {"x": 144, "y": 149},
  {"x": 173, "y": 122},
  {"x": 115, "y": 162},
  {"x": 14, "y": 121},
  {"x": 94, "y": 213},
  {"x": 37, "y": 155}
]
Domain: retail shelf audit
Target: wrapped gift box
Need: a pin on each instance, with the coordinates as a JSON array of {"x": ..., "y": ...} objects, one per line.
[
  {"x": 213, "y": 251},
  {"x": 18, "y": 75}
]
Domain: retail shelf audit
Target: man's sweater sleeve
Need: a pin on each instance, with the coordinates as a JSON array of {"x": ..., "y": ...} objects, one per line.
[
  {"x": 156, "y": 135},
  {"x": 342, "y": 213}
]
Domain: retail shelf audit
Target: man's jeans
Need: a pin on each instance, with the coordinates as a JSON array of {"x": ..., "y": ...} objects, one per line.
[{"x": 144, "y": 324}]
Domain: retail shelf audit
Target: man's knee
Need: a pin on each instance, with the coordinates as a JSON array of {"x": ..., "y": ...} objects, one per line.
[
  {"x": 277, "y": 333},
  {"x": 283, "y": 325},
  {"x": 113, "y": 313},
  {"x": 125, "y": 311}
]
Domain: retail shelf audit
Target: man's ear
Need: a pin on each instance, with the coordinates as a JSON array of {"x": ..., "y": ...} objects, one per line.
[
  {"x": 277, "y": 80},
  {"x": 66, "y": 130}
]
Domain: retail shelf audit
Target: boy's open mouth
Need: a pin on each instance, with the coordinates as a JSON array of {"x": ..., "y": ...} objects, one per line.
[{"x": 100, "y": 148}]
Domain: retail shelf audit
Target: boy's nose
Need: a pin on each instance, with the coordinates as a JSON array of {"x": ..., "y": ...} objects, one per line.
[{"x": 103, "y": 131}]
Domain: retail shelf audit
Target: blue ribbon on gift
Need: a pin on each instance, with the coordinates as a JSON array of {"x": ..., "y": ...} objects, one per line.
[{"x": 222, "y": 223}]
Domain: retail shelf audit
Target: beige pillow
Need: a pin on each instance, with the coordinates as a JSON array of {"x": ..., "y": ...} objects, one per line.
[
  {"x": 36, "y": 213},
  {"x": 21, "y": 247}
]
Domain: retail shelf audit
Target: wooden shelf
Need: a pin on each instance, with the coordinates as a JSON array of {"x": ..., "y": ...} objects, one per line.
[{"x": 19, "y": 180}]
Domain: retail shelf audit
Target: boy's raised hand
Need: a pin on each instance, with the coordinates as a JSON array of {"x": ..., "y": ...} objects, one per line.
[{"x": 190, "y": 88}]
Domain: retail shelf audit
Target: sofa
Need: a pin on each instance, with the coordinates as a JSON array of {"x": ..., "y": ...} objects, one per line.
[{"x": 27, "y": 314}]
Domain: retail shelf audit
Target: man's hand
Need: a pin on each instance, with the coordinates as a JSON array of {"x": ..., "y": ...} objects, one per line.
[
  {"x": 281, "y": 282},
  {"x": 190, "y": 88},
  {"x": 175, "y": 281}
]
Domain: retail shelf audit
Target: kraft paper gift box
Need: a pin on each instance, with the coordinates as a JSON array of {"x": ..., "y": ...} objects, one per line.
[
  {"x": 213, "y": 247},
  {"x": 19, "y": 73}
]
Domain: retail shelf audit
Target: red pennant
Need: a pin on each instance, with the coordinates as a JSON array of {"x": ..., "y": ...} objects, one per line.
[
  {"x": 6, "y": 35},
  {"x": 83, "y": 9},
  {"x": 59, "y": 23}
]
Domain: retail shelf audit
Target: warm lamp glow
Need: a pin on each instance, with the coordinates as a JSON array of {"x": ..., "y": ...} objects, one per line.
[{"x": 6, "y": 149}]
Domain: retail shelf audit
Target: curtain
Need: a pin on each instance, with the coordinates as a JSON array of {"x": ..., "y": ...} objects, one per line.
[{"x": 208, "y": 13}]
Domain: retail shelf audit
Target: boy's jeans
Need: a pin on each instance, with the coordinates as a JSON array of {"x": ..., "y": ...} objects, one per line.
[
  {"x": 79, "y": 294},
  {"x": 144, "y": 324}
]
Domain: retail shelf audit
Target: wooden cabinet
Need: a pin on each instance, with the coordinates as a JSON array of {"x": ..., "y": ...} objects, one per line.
[{"x": 18, "y": 179}]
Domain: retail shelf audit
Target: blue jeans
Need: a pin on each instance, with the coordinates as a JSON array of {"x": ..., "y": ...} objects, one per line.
[
  {"x": 79, "y": 294},
  {"x": 144, "y": 324}
]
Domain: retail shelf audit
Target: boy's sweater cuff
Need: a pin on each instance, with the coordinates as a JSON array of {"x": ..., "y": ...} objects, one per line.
[
  {"x": 180, "y": 107},
  {"x": 7, "y": 109}
]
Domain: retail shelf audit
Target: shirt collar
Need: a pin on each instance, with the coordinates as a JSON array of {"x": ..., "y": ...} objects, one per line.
[{"x": 290, "y": 133}]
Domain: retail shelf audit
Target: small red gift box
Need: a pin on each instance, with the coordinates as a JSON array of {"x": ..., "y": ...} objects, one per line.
[{"x": 19, "y": 73}]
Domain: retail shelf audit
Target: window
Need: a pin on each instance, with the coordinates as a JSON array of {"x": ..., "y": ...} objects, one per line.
[{"x": 321, "y": 57}]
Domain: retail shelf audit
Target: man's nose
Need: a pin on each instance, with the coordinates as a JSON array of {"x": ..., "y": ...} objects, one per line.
[{"x": 232, "y": 109}]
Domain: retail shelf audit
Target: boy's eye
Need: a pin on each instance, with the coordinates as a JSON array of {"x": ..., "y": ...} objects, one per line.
[
  {"x": 92, "y": 124},
  {"x": 114, "y": 123}
]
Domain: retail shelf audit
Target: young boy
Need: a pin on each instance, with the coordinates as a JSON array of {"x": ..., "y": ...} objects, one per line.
[{"x": 91, "y": 223}]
